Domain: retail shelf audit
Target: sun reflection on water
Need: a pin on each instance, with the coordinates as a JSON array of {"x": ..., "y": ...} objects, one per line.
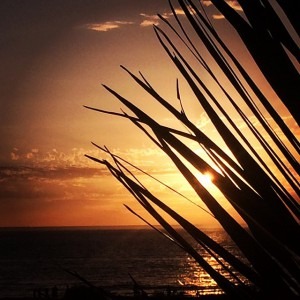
[{"x": 197, "y": 281}]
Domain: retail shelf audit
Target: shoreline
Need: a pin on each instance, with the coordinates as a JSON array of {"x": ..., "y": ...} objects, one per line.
[
  {"x": 82, "y": 292},
  {"x": 86, "y": 296}
]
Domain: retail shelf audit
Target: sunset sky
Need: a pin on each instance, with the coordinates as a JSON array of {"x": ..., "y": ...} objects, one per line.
[{"x": 54, "y": 57}]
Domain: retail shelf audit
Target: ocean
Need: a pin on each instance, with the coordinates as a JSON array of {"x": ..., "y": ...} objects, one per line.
[{"x": 37, "y": 259}]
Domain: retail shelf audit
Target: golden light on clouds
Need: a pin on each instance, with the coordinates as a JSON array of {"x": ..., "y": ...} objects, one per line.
[
  {"x": 234, "y": 4},
  {"x": 106, "y": 26},
  {"x": 150, "y": 20}
]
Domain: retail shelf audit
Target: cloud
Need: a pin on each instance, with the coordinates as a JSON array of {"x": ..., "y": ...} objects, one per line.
[
  {"x": 42, "y": 197},
  {"x": 235, "y": 5},
  {"x": 146, "y": 23},
  {"x": 39, "y": 177},
  {"x": 52, "y": 165},
  {"x": 207, "y": 2},
  {"x": 51, "y": 159},
  {"x": 14, "y": 156},
  {"x": 150, "y": 20},
  {"x": 43, "y": 174},
  {"x": 203, "y": 121},
  {"x": 106, "y": 26},
  {"x": 27, "y": 187},
  {"x": 179, "y": 11},
  {"x": 74, "y": 159},
  {"x": 218, "y": 16},
  {"x": 232, "y": 3}
]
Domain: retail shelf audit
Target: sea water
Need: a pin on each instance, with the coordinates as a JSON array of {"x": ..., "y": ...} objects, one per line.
[{"x": 38, "y": 259}]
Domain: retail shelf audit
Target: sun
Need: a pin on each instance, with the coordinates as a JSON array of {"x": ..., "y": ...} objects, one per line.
[{"x": 206, "y": 179}]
